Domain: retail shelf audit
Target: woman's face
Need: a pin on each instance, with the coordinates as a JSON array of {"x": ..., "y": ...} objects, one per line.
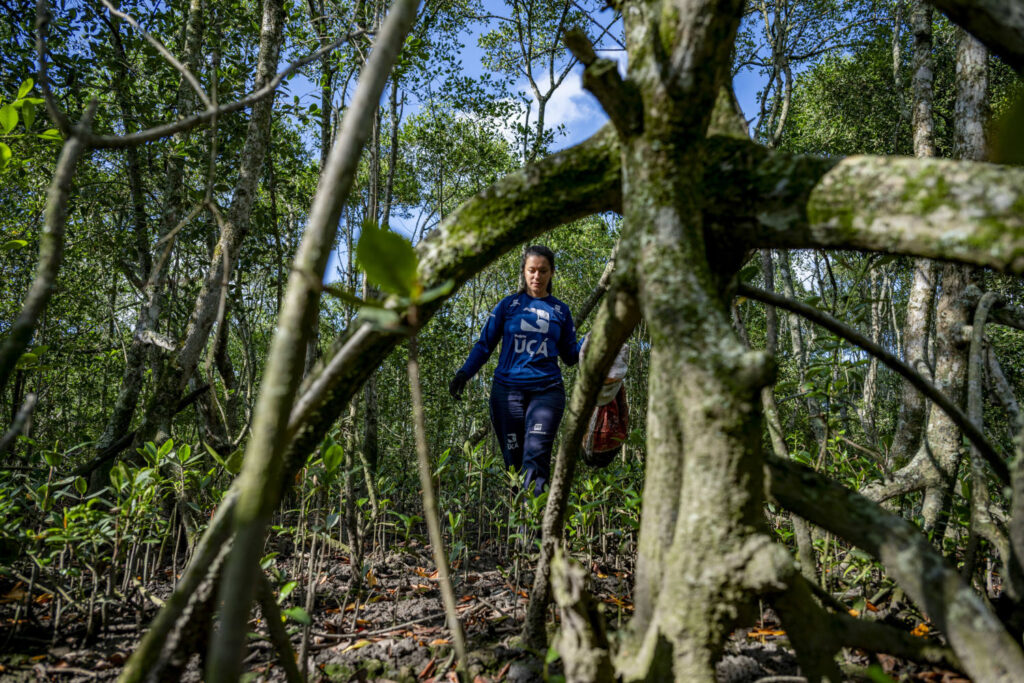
[{"x": 537, "y": 272}]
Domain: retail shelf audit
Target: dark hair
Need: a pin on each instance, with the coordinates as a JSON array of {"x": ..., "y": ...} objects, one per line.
[{"x": 535, "y": 250}]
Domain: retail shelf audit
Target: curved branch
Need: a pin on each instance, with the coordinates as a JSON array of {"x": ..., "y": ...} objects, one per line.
[
  {"x": 936, "y": 208},
  {"x": 818, "y": 636},
  {"x": 986, "y": 651},
  {"x": 43, "y": 18},
  {"x": 168, "y": 129},
  {"x": 970, "y": 430},
  {"x": 20, "y": 420},
  {"x": 164, "y": 52},
  {"x": 982, "y": 523},
  {"x": 264, "y": 465}
]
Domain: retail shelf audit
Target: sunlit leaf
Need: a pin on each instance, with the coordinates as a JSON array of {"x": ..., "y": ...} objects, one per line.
[
  {"x": 333, "y": 456},
  {"x": 388, "y": 258},
  {"x": 298, "y": 614},
  {"x": 356, "y": 645},
  {"x": 286, "y": 590},
  {"x": 8, "y": 118},
  {"x": 28, "y": 113},
  {"x": 25, "y": 87},
  {"x": 234, "y": 462}
]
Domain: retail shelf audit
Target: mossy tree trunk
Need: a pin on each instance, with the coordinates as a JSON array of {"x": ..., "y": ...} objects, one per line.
[{"x": 701, "y": 530}]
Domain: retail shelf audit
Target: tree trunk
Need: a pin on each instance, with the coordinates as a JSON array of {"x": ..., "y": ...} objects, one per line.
[
  {"x": 953, "y": 311},
  {"x": 701, "y": 538}
]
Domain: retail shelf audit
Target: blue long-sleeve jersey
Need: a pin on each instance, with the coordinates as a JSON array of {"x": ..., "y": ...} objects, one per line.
[{"x": 534, "y": 333}]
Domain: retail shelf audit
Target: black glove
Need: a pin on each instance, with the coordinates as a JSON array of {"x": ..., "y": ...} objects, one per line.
[{"x": 458, "y": 384}]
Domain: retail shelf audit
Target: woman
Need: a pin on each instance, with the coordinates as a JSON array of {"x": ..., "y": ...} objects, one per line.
[{"x": 527, "y": 394}]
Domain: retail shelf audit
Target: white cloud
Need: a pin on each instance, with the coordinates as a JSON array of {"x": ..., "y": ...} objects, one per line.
[{"x": 572, "y": 106}]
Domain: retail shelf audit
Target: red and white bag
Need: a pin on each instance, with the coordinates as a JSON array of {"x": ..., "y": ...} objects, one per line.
[{"x": 609, "y": 424}]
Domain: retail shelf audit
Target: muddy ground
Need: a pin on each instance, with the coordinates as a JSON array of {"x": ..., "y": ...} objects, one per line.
[{"x": 393, "y": 629}]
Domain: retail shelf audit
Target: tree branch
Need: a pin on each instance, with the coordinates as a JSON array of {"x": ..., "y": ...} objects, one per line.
[
  {"x": 599, "y": 290},
  {"x": 51, "y": 249},
  {"x": 20, "y": 420},
  {"x": 970, "y": 430},
  {"x": 43, "y": 18},
  {"x": 164, "y": 52},
  {"x": 264, "y": 465},
  {"x": 818, "y": 636},
  {"x": 601, "y": 77},
  {"x": 618, "y": 315},
  {"x": 168, "y": 129},
  {"x": 986, "y": 651}
]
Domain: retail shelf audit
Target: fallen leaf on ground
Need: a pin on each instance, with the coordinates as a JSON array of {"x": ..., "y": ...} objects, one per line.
[
  {"x": 356, "y": 645},
  {"x": 762, "y": 632}
]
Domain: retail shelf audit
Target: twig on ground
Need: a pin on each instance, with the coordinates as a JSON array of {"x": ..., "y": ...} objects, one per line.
[{"x": 378, "y": 632}]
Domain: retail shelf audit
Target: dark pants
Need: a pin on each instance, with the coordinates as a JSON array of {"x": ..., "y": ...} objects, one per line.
[{"x": 525, "y": 422}]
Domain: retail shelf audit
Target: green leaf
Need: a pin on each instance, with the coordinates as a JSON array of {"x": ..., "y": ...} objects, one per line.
[
  {"x": 8, "y": 118},
  {"x": 28, "y": 112},
  {"x": 286, "y": 590},
  {"x": 50, "y": 134},
  {"x": 165, "y": 448},
  {"x": 333, "y": 456},
  {"x": 52, "y": 459},
  {"x": 234, "y": 462},
  {"x": 216, "y": 456},
  {"x": 27, "y": 360},
  {"x": 382, "y": 317},
  {"x": 298, "y": 614},
  {"x": 388, "y": 258},
  {"x": 26, "y": 86},
  {"x": 443, "y": 289},
  {"x": 81, "y": 485},
  {"x": 5, "y": 158},
  {"x": 878, "y": 675},
  {"x": 184, "y": 453},
  {"x": 119, "y": 476}
]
